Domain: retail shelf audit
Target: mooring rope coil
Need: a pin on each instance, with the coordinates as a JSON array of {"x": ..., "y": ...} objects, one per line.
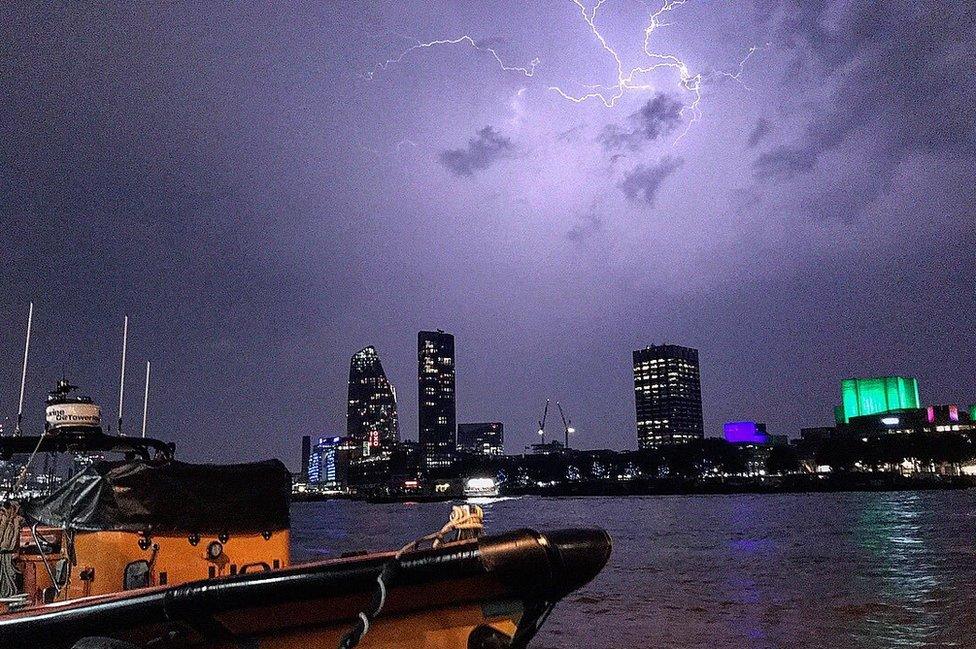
[
  {"x": 10, "y": 522},
  {"x": 466, "y": 520}
]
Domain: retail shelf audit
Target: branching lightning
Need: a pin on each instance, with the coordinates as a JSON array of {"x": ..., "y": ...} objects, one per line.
[
  {"x": 632, "y": 80},
  {"x": 635, "y": 79},
  {"x": 460, "y": 40}
]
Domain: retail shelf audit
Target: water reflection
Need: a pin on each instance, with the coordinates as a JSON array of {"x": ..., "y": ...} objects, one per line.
[
  {"x": 813, "y": 570},
  {"x": 891, "y": 529}
]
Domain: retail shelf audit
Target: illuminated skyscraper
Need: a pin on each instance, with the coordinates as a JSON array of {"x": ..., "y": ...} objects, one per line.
[
  {"x": 436, "y": 396},
  {"x": 372, "y": 413},
  {"x": 667, "y": 392}
]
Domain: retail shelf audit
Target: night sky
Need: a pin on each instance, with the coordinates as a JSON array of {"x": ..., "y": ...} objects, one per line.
[{"x": 267, "y": 190}]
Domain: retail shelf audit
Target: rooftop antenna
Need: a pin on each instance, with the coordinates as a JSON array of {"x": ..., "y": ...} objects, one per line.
[
  {"x": 145, "y": 401},
  {"x": 125, "y": 338},
  {"x": 23, "y": 373}
]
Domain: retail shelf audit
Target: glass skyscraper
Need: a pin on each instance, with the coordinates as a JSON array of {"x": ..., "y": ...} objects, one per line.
[
  {"x": 371, "y": 416},
  {"x": 436, "y": 396},
  {"x": 667, "y": 393}
]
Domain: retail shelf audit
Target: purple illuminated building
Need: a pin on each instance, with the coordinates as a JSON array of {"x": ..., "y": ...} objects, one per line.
[{"x": 746, "y": 432}]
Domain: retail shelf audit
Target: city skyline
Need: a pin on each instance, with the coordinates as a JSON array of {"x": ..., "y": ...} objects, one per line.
[
  {"x": 528, "y": 435},
  {"x": 264, "y": 193}
]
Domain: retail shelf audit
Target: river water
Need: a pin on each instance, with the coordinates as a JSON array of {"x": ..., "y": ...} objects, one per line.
[{"x": 893, "y": 569}]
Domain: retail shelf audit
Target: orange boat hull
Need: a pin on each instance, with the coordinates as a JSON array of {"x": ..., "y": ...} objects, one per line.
[{"x": 470, "y": 594}]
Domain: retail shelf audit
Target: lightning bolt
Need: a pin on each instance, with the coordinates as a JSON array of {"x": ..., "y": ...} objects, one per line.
[
  {"x": 460, "y": 40},
  {"x": 737, "y": 76},
  {"x": 632, "y": 80}
]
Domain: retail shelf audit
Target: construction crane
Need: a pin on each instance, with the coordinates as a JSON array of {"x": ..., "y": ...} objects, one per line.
[
  {"x": 542, "y": 423},
  {"x": 567, "y": 429}
]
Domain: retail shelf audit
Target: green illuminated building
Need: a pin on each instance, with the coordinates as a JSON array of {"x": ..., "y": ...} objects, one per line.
[{"x": 875, "y": 395}]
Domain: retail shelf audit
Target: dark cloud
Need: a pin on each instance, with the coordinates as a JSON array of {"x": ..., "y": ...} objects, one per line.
[
  {"x": 481, "y": 152},
  {"x": 903, "y": 79},
  {"x": 586, "y": 227},
  {"x": 641, "y": 184},
  {"x": 659, "y": 116},
  {"x": 759, "y": 132},
  {"x": 784, "y": 162}
]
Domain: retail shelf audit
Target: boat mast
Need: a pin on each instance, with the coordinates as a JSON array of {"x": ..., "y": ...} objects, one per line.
[
  {"x": 125, "y": 338},
  {"x": 23, "y": 373},
  {"x": 145, "y": 401}
]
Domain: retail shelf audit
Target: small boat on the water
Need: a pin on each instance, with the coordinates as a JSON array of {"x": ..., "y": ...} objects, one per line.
[
  {"x": 147, "y": 551},
  {"x": 481, "y": 488}
]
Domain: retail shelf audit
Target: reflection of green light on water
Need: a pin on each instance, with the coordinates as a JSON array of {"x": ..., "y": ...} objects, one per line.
[{"x": 888, "y": 528}]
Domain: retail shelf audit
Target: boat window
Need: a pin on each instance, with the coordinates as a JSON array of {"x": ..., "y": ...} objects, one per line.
[{"x": 136, "y": 575}]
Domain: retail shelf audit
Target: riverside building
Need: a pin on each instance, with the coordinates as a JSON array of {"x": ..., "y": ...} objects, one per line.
[
  {"x": 875, "y": 395},
  {"x": 486, "y": 438},
  {"x": 371, "y": 415},
  {"x": 667, "y": 395},
  {"x": 437, "y": 403}
]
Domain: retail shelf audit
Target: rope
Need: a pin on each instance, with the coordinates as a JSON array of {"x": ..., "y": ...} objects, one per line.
[
  {"x": 466, "y": 521},
  {"x": 10, "y": 522}
]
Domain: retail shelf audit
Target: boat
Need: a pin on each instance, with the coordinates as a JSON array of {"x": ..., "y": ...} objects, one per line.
[
  {"x": 148, "y": 551},
  {"x": 481, "y": 488}
]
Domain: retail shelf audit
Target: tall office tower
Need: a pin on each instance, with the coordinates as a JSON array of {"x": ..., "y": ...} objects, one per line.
[
  {"x": 437, "y": 402},
  {"x": 667, "y": 392},
  {"x": 371, "y": 416}
]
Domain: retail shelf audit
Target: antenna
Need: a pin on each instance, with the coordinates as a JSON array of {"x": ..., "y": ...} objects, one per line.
[
  {"x": 145, "y": 401},
  {"x": 23, "y": 374},
  {"x": 125, "y": 338}
]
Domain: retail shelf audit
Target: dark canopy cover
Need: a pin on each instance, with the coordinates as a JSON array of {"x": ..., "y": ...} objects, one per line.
[{"x": 170, "y": 497}]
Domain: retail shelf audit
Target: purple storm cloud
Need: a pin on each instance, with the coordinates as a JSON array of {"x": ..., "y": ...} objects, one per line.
[{"x": 232, "y": 180}]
